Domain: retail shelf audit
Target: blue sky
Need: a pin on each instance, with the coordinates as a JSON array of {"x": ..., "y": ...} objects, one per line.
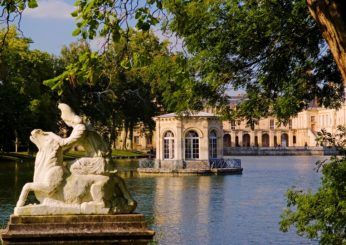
[{"x": 50, "y": 25}]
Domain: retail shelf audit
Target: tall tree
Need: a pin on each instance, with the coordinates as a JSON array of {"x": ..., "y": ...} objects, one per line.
[
  {"x": 25, "y": 103},
  {"x": 255, "y": 45},
  {"x": 272, "y": 49},
  {"x": 129, "y": 83}
]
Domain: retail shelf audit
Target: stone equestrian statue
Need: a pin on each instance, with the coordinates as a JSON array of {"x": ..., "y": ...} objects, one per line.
[{"x": 88, "y": 186}]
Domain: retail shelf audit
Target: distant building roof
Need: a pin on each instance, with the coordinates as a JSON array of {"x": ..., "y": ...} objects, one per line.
[
  {"x": 188, "y": 114},
  {"x": 235, "y": 100}
]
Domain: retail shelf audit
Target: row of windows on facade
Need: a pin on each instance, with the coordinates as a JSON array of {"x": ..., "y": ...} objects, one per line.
[
  {"x": 265, "y": 139},
  {"x": 191, "y": 145},
  {"x": 324, "y": 120},
  {"x": 271, "y": 124},
  {"x": 169, "y": 142}
]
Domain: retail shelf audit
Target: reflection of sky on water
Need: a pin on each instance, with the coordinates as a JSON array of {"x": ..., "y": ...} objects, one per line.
[
  {"x": 234, "y": 209},
  {"x": 230, "y": 209}
]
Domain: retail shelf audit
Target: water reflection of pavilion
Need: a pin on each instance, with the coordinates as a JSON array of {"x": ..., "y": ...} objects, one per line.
[{"x": 189, "y": 200}]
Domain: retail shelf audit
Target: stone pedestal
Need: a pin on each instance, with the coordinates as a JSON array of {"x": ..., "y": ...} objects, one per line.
[{"x": 75, "y": 229}]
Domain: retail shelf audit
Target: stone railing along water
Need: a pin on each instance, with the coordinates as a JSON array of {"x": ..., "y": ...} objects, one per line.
[
  {"x": 225, "y": 163},
  {"x": 213, "y": 163}
]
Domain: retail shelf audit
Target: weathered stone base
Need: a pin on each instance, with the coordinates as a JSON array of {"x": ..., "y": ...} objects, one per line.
[
  {"x": 77, "y": 229},
  {"x": 62, "y": 209},
  {"x": 163, "y": 171}
]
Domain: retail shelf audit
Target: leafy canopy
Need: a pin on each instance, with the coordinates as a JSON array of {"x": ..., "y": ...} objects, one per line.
[
  {"x": 133, "y": 80},
  {"x": 25, "y": 103},
  {"x": 271, "y": 49}
]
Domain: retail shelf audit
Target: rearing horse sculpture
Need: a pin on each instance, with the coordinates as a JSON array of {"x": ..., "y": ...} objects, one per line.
[{"x": 61, "y": 192}]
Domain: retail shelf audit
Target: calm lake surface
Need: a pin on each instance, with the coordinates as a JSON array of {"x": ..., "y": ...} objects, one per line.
[{"x": 232, "y": 209}]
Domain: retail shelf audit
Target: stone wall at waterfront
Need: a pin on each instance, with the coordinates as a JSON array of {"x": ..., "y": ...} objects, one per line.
[{"x": 278, "y": 151}]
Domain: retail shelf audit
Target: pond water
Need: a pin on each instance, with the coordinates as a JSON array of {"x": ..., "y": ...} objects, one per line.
[{"x": 232, "y": 209}]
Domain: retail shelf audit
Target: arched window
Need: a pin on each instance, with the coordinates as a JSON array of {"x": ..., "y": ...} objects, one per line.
[
  {"x": 191, "y": 145},
  {"x": 213, "y": 144},
  {"x": 284, "y": 140},
  {"x": 246, "y": 140},
  {"x": 256, "y": 141},
  {"x": 168, "y": 145},
  {"x": 275, "y": 141},
  {"x": 265, "y": 140},
  {"x": 227, "y": 140}
]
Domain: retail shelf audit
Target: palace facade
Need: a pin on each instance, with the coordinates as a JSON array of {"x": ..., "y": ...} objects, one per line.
[{"x": 301, "y": 131}]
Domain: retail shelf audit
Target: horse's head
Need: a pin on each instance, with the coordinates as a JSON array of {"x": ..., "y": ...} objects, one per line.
[{"x": 44, "y": 139}]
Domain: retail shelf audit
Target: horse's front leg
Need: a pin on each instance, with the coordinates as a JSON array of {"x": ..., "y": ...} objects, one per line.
[
  {"x": 24, "y": 194},
  {"x": 40, "y": 187}
]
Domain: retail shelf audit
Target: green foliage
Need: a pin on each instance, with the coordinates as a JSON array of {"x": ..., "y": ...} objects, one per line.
[
  {"x": 25, "y": 103},
  {"x": 133, "y": 80},
  {"x": 272, "y": 49},
  {"x": 18, "y": 5},
  {"x": 321, "y": 215},
  {"x": 81, "y": 70},
  {"x": 110, "y": 89},
  {"x": 11, "y": 12},
  {"x": 108, "y": 18},
  {"x": 32, "y": 3},
  {"x": 337, "y": 140}
]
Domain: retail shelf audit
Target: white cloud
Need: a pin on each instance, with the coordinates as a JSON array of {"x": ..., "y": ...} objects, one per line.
[{"x": 51, "y": 9}]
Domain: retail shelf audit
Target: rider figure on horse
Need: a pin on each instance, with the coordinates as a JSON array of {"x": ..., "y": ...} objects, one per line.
[{"x": 96, "y": 160}]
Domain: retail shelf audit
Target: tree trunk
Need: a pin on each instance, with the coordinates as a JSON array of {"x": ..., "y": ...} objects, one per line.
[
  {"x": 131, "y": 136},
  {"x": 113, "y": 134},
  {"x": 331, "y": 17},
  {"x": 16, "y": 141},
  {"x": 125, "y": 138}
]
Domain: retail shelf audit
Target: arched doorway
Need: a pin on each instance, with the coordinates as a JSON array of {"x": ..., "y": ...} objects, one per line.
[
  {"x": 191, "y": 145},
  {"x": 246, "y": 140},
  {"x": 265, "y": 140},
  {"x": 237, "y": 141},
  {"x": 213, "y": 144},
  {"x": 284, "y": 140},
  {"x": 275, "y": 141},
  {"x": 227, "y": 140},
  {"x": 168, "y": 145}
]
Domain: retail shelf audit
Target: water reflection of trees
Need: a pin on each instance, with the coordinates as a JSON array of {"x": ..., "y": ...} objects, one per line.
[{"x": 13, "y": 175}]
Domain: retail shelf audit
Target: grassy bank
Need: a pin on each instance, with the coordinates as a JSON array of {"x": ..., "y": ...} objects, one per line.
[
  {"x": 115, "y": 153},
  {"x": 70, "y": 155},
  {"x": 16, "y": 156}
]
